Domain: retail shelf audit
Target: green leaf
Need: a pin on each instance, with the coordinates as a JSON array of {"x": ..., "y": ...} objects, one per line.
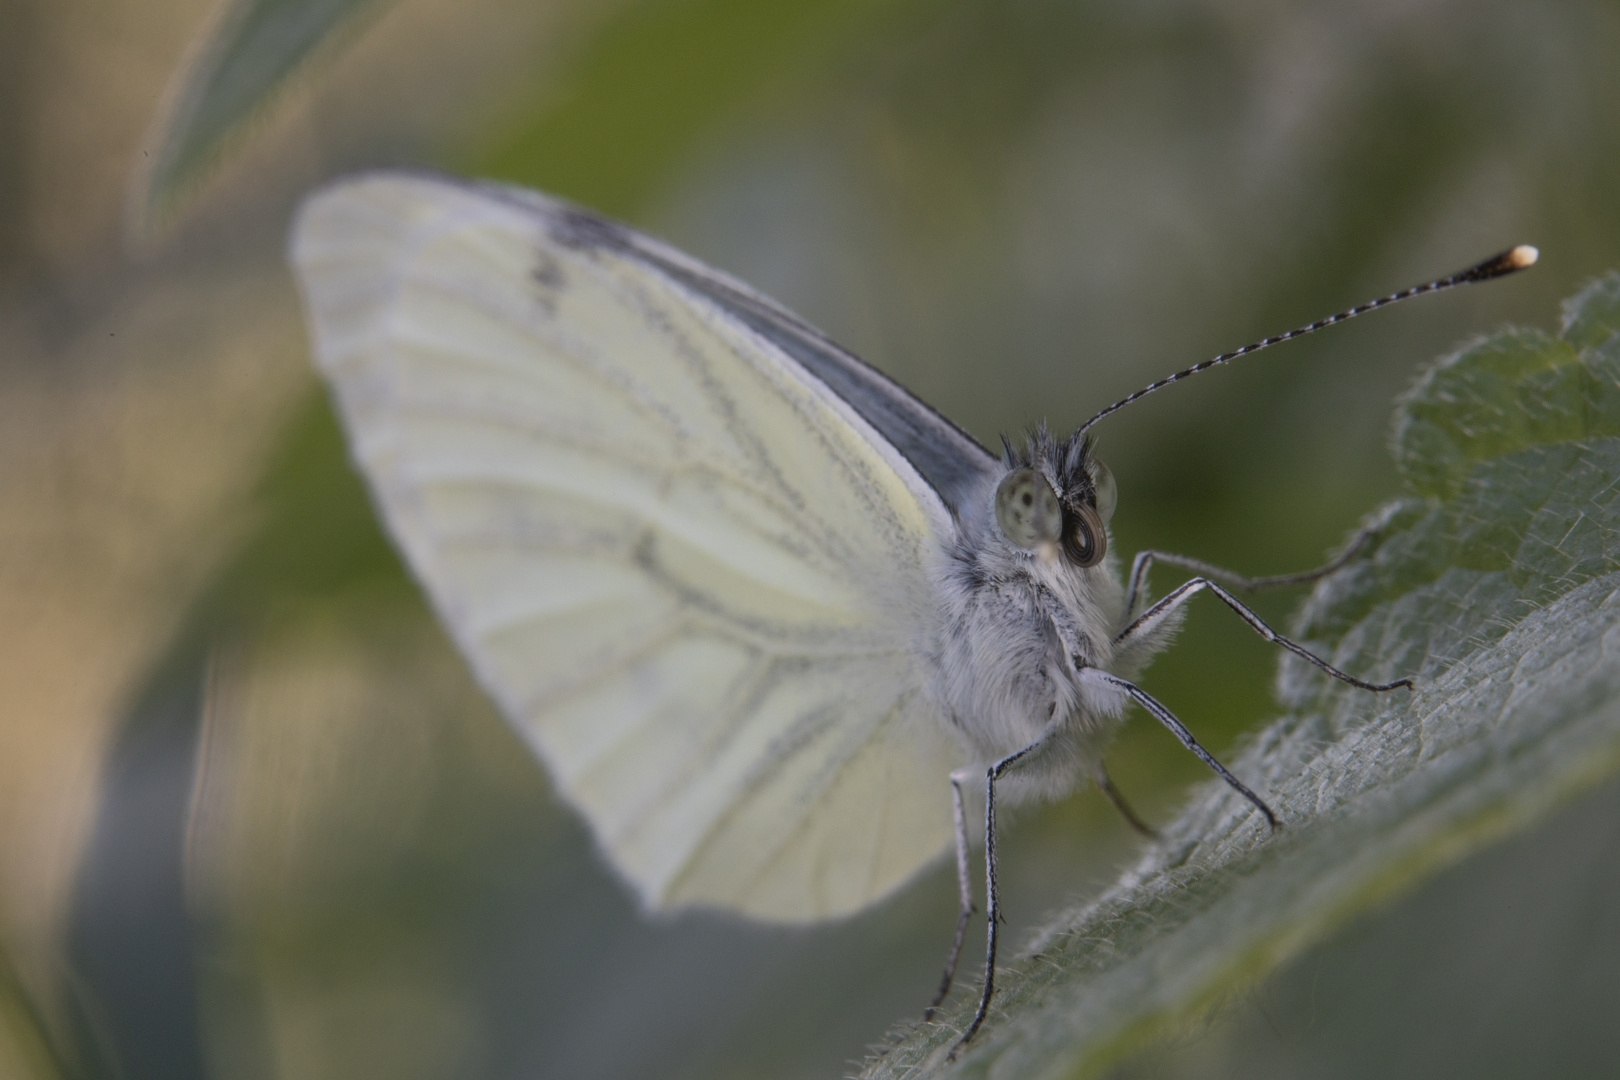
[
  {"x": 1496, "y": 583},
  {"x": 242, "y": 62}
]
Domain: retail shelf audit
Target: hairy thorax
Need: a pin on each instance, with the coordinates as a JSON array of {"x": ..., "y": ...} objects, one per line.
[{"x": 1012, "y": 635}]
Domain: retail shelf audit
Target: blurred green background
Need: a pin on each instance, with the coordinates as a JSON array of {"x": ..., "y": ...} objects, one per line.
[{"x": 255, "y": 820}]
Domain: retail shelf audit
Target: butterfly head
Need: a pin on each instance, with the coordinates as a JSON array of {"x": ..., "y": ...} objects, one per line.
[{"x": 1055, "y": 499}]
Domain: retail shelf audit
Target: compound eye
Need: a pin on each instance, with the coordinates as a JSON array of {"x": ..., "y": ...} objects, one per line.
[
  {"x": 1102, "y": 481},
  {"x": 1027, "y": 509},
  {"x": 1084, "y": 540}
]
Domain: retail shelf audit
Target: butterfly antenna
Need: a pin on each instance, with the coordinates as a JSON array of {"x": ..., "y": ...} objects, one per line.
[{"x": 1508, "y": 262}]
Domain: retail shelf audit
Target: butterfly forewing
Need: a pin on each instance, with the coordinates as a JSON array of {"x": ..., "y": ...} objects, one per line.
[{"x": 691, "y": 574}]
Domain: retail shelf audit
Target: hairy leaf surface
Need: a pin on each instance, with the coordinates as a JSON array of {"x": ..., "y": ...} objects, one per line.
[{"x": 1496, "y": 583}]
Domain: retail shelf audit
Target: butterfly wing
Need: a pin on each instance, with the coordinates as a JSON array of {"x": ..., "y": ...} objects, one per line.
[
  {"x": 945, "y": 456},
  {"x": 693, "y": 575}
]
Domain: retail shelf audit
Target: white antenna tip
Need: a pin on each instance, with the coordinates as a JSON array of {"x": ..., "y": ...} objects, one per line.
[{"x": 1522, "y": 256}]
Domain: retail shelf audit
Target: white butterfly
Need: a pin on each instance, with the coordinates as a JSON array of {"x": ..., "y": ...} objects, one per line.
[{"x": 761, "y": 612}]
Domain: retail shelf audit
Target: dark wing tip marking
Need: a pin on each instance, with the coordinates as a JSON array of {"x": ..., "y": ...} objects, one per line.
[
  {"x": 949, "y": 460},
  {"x": 579, "y": 230}
]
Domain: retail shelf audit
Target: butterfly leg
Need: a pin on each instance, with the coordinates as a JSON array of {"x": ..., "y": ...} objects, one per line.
[
  {"x": 992, "y": 889},
  {"x": 1145, "y": 559},
  {"x": 1106, "y": 786},
  {"x": 1152, "y": 619},
  {"x": 1168, "y": 719},
  {"x": 964, "y": 886}
]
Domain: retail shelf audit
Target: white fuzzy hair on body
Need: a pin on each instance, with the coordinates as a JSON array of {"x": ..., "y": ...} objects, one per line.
[{"x": 1016, "y": 628}]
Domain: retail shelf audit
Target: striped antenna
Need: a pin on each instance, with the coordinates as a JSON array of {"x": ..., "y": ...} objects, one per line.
[{"x": 1509, "y": 261}]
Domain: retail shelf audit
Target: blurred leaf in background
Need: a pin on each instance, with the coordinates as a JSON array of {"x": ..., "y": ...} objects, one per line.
[
  {"x": 253, "y": 818},
  {"x": 241, "y": 66}
]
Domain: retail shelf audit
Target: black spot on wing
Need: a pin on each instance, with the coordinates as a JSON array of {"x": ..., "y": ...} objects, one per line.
[
  {"x": 548, "y": 273},
  {"x": 549, "y": 279}
]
